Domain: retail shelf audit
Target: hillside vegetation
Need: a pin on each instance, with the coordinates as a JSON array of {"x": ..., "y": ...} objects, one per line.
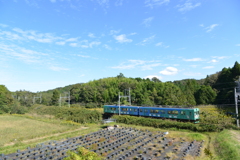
[{"x": 214, "y": 89}]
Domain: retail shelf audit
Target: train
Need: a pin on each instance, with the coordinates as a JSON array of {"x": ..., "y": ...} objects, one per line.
[{"x": 181, "y": 114}]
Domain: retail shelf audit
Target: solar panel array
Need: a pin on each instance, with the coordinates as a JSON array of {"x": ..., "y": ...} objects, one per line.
[{"x": 117, "y": 144}]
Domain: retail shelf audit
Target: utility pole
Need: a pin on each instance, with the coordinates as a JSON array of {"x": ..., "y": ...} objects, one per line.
[
  {"x": 125, "y": 95},
  {"x": 60, "y": 99},
  {"x": 40, "y": 97},
  {"x": 67, "y": 96},
  {"x": 236, "y": 98}
]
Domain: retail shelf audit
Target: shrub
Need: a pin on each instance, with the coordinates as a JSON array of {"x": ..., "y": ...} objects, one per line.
[{"x": 79, "y": 115}]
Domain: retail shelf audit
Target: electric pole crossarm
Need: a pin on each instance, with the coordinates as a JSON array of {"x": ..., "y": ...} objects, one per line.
[
  {"x": 67, "y": 96},
  {"x": 40, "y": 97},
  {"x": 119, "y": 97},
  {"x": 236, "y": 96}
]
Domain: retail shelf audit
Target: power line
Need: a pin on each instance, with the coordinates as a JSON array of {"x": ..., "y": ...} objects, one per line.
[
  {"x": 40, "y": 97},
  {"x": 67, "y": 96}
]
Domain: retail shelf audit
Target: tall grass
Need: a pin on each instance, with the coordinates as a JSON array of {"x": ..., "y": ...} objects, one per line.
[
  {"x": 227, "y": 146},
  {"x": 14, "y": 129}
]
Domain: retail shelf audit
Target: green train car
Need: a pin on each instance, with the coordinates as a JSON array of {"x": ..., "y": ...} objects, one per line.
[{"x": 183, "y": 114}]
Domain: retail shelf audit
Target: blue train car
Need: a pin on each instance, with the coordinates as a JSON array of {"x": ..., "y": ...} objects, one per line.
[
  {"x": 127, "y": 110},
  {"x": 185, "y": 114}
]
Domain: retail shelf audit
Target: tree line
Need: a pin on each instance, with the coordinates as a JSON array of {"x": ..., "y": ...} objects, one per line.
[{"x": 214, "y": 89}]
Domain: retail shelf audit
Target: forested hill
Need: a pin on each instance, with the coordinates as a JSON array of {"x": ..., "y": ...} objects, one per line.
[{"x": 214, "y": 89}]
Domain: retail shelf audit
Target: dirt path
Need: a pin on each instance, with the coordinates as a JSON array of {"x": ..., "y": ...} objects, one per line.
[
  {"x": 51, "y": 135},
  {"x": 236, "y": 135}
]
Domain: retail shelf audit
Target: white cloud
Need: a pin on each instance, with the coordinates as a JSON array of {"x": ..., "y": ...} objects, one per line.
[
  {"x": 147, "y": 40},
  {"x": 31, "y": 35},
  {"x": 211, "y": 27},
  {"x": 73, "y": 44},
  {"x": 208, "y": 67},
  {"x": 82, "y": 75},
  {"x": 118, "y": 2},
  {"x": 151, "y": 76},
  {"x": 237, "y": 44},
  {"x": 169, "y": 71},
  {"x": 131, "y": 34},
  {"x": 85, "y": 44},
  {"x": 143, "y": 65},
  {"x": 103, "y": 3},
  {"x": 124, "y": 66},
  {"x": 160, "y": 44},
  {"x": 71, "y": 39},
  {"x": 213, "y": 61},
  {"x": 220, "y": 57},
  {"x": 153, "y": 3},
  {"x": 22, "y": 54},
  {"x": 3, "y": 25},
  {"x": 122, "y": 39},
  {"x": 194, "y": 66},
  {"x": 91, "y": 35},
  {"x": 39, "y": 37},
  {"x": 187, "y": 6},
  {"x": 150, "y": 66},
  {"x": 10, "y": 36},
  {"x": 193, "y": 59},
  {"x": 54, "y": 68},
  {"x": 60, "y": 43},
  {"x": 83, "y": 56},
  {"x": 94, "y": 43},
  {"x": 147, "y": 21},
  {"x": 114, "y": 32},
  {"x": 107, "y": 47}
]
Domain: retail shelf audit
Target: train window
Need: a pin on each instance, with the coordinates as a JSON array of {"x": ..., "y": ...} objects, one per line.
[
  {"x": 174, "y": 112},
  {"x": 135, "y": 110},
  {"x": 163, "y": 112},
  {"x": 145, "y": 110},
  {"x": 124, "y": 109},
  {"x": 156, "y": 111},
  {"x": 130, "y": 109},
  {"x": 151, "y": 111},
  {"x": 113, "y": 109},
  {"x": 190, "y": 113},
  {"x": 183, "y": 113},
  {"x": 169, "y": 112},
  {"x": 140, "y": 110}
]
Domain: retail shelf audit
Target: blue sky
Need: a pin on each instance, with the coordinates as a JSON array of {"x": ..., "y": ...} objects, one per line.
[{"x": 46, "y": 44}]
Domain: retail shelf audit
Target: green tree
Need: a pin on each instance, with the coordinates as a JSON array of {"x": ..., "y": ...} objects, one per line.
[
  {"x": 120, "y": 75},
  {"x": 205, "y": 95},
  {"x": 236, "y": 71},
  {"x": 5, "y": 99},
  {"x": 155, "y": 79},
  {"x": 55, "y": 97}
]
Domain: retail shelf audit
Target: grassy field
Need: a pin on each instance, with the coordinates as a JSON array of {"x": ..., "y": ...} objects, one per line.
[
  {"x": 15, "y": 129},
  {"x": 20, "y": 132},
  {"x": 228, "y": 144}
]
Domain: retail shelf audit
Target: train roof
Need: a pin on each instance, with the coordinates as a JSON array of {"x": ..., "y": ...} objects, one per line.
[{"x": 151, "y": 107}]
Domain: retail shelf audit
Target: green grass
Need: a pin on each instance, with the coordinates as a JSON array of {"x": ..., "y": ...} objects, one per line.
[
  {"x": 14, "y": 129},
  {"x": 227, "y": 145},
  {"x": 22, "y": 145},
  {"x": 223, "y": 145}
]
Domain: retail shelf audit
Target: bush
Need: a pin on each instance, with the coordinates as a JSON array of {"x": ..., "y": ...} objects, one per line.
[
  {"x": 79, "y": 115},
  {"x": 83, "y": 154},
  {"x": 159, "y": 123}
]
